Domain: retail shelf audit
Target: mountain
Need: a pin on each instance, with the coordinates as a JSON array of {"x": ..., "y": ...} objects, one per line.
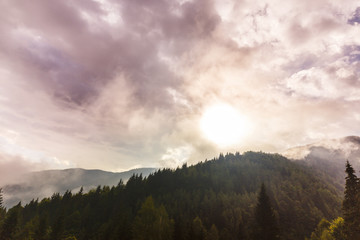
[
  {"x": 214, "y": 199},
  {"x": 329, "y": 156},
  {"x": 334, "y": 150},
  {"x": 44, "y": 183}
]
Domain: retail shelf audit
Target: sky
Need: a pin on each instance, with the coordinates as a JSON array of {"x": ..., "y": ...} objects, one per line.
[{"x": 116, "y": 85}]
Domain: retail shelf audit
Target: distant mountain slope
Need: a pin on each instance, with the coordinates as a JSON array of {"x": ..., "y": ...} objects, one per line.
[
  {"x": 44, "y": 183},
  {"x": 220, "y": 193},
  {"x": 329, "y": 156},
  {"x": 333, "y": 150}
]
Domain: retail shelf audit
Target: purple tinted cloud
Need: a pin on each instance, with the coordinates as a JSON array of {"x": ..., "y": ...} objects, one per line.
[
  {"x": 120, "y": 80},
  {"x": 74, "y": 62},
  {"x": 355, "y": 18}
]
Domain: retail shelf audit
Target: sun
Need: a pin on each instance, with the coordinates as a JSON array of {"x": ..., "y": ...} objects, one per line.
[{"x": 224, "y": 125}]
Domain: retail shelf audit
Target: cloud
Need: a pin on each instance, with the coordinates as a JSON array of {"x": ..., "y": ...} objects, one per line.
[
  {"x": 67, "y": 58},
  {"x": 176, "y": 156},
  {"x": 355, "y": 18},
  {"x": 91, "y": 84},
  {"x": 13, "y": 168}
]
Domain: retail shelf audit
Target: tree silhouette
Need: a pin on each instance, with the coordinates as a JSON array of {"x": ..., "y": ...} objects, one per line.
[
  {"x": 10, "y": 224},
  {"x": 2, "y": 208},
  {"x": 198, "y": 231},
  {"x": 1, "y": 198},
  {"x": 213, "y": 233},
  {"x": 351, "y": 210},
  {"x": 40, "y": 229},
  {"x": 58, "y": 229},
  {"x": 266, "y": 223},
  {"x": 152, "y": 223}
]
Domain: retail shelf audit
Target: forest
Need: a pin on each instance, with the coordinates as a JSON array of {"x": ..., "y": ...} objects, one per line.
[{"x": 246, "y": 196}]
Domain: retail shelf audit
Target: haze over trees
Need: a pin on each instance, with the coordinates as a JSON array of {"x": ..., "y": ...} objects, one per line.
[
  {"x": 235, "y": 196},
  {"x": 348, "y": 226}
]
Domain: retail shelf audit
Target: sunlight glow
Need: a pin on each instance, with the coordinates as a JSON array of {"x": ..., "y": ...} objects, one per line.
[{"x": 224, "y": 125}]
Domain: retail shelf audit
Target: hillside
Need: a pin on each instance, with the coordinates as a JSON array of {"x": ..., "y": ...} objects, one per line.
[
  {"x": 44, "y": 183},
  {"x": 329, "y": 156},
  {"x": 215, "y": 196}
]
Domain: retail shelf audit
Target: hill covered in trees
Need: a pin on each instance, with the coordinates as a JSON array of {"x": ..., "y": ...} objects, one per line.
[
  {"x": 215, "y": 199},
  {"x": 44, "y": 183},
  {"x": 329, "y": 156}
]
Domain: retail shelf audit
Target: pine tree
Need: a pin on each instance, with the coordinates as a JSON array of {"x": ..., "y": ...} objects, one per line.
[
  {"x": 213, "y": 233},
  {"x": 1, "y": 198},
  {"x": 2, "y": 208},
  {"x": 351, "y": 210},
  {"x": 58, "y": 229},
  {"x": 10, "y": 224},
  {"x": 266, "y": 223},
  {"x": 152, "y": 223},
  {"x": 40, "y": 229},
  {"x": 197, "y": 231}
]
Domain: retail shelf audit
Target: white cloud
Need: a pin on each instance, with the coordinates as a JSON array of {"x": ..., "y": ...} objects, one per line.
[{"x": 175, "y": 157}]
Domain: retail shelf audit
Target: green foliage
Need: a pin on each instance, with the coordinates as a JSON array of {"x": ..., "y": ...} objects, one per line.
[
  {"x": 213, "y": 233},
  {"x": 2, "y": 209},
  {"x": 337, "y": 229},
  {"x": 57, "y": 232},
  {"x": 351, "y": 204},
  {"x": 349, "y": 226},
  {"x": 41, "y": 229},
  {"x": 215, "y": 199},
  {"x": 329, "y": 231},
  {"x": 152, "y": 223},
  {"x": 1, "y": 198},
  {"x": 198, "y": 231},
  {"x": 70, "y": 238},
  {"x": 321, "y": 231},
  {"x": 9, "y": 227},
  {"x": 266, "y": 222}
]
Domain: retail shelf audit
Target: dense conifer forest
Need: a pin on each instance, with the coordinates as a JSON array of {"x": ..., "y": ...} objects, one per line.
[{"x": 235, "y": 196}]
